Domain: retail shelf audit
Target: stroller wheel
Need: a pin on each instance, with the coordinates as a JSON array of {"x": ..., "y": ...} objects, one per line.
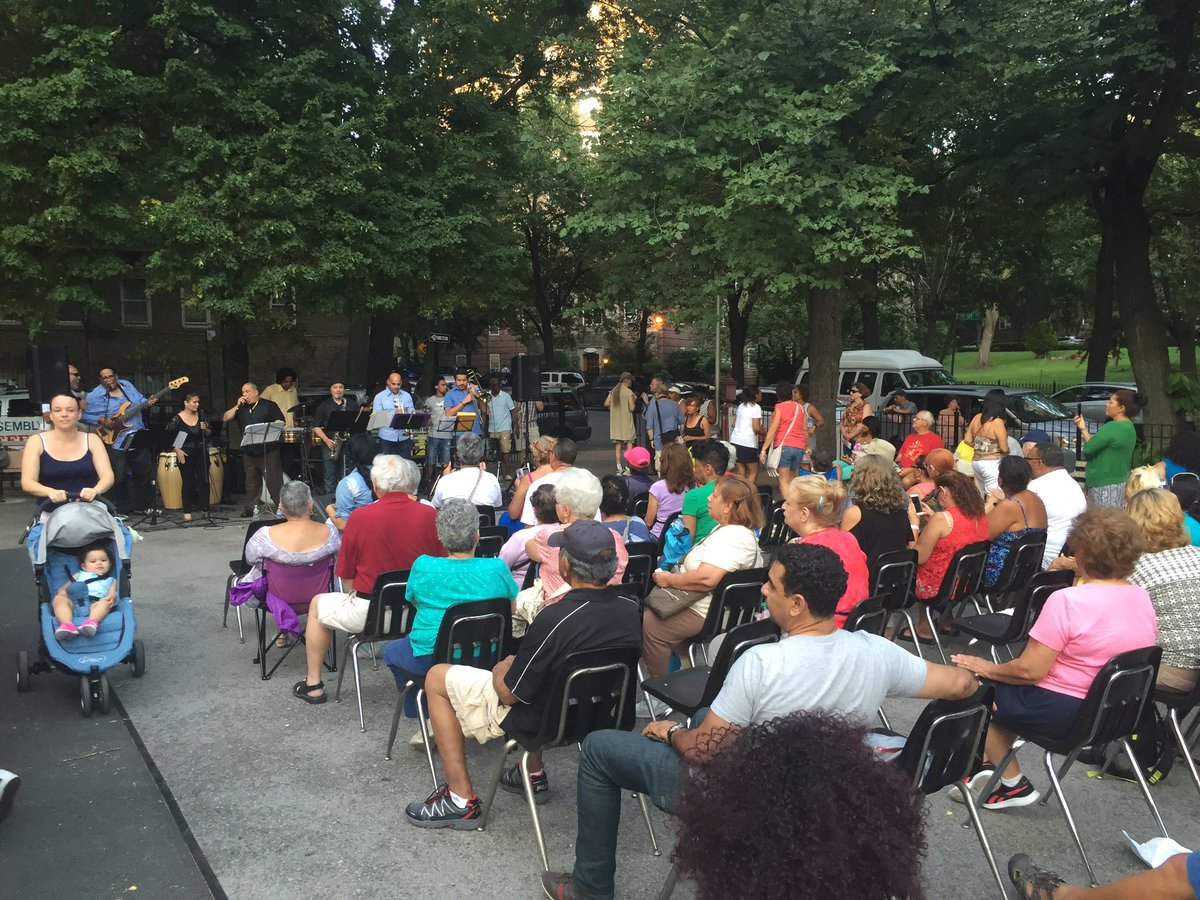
[
  {"x": 139, "y": 659},
  {"x": 85, "y": 697},
  {"x": 22, "y": 671},
  {"x": 105, "y": 695}
]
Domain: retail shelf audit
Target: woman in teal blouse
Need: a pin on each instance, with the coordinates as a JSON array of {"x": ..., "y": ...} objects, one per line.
[{"x": 1109, "y": 452}]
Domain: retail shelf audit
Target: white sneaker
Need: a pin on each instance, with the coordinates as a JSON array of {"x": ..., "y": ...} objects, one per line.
[
  {"x": 415, "y": 740},
  {"x": 9, "y": 782}
]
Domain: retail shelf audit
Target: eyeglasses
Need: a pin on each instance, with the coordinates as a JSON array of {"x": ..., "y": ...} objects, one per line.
[{"x": 854, "y": 391}]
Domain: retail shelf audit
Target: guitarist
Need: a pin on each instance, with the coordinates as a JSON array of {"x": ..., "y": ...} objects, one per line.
[{"x": 131, "y": 468}]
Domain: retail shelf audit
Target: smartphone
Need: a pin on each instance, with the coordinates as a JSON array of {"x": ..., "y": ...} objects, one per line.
[{"x": 916, "y": 502}]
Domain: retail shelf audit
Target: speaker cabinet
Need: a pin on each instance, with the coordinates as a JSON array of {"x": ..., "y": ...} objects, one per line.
[
  {"x": 527, "y": 377},
  {"x": 47, "y": 372}
]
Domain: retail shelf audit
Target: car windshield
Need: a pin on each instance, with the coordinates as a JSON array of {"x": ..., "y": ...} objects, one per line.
[
  {"x": 928, "y": 377},
  {"x": 1036, "y": 407}
]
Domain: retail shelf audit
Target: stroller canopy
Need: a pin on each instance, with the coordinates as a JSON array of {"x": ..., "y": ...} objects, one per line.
[{"x": 75, "y": 525}]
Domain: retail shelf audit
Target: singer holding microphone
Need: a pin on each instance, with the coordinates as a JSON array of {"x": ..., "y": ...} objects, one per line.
[
  {"x": 464, "y": 398},
  {"x": 191, "y": 455},
  {"x": 261, "y": 462}
]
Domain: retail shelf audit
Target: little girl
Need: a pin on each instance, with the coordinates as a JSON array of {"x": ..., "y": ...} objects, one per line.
[{"x": 94, "y": 565}]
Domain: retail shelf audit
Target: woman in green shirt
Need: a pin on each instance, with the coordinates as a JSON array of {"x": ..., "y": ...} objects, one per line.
[{"x": 1109, "y": 452}]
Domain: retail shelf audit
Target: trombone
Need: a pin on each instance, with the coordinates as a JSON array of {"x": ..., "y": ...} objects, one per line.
[{"x": 480, "y": 393}]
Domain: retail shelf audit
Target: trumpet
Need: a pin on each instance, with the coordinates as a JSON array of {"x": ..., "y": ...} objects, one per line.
[{"x": 473, "y": 379}]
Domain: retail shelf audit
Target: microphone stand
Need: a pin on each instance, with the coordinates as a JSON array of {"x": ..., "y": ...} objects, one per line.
[{"x": 210, "y": 521}]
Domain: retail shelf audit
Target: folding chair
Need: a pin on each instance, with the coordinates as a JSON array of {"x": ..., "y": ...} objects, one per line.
[
  {"x": 638, "y": 506},
  {"x": 1178, "y": 706},
  {"x": 295, "y": 586},
  {"x": 489, "y": 546},
  {"x": 1012, "y": 626},
  {"x": 471, "y": 634},
  {"x": 734, "y": 602},
  {"x": 893, "y": 576},
  {"x": 1110, "y": 712},
  {"x": 239, "y": 568},
  {"x": 500, "y": 531},
  {"x": 870, "y": 616},
  {"x": 662, "y": 537},
  {"x": 960, "y": 583},
  {"x": 389, "y": 616},
  {"x": 766, "y": 497},
  {"x": 1023, "y": 562},
  {"x": 776, "y": 532},
  {"x": 690, "y": 690},
  {"x": 592, "y": 690},
  {"x": 643, "y": 558},
  {"x": 531, "y": 574},
  {"x": 941, "y": 750},
  {"x": 487, "y": 515}
]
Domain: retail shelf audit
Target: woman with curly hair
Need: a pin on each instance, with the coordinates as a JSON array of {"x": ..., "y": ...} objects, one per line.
[
  {"x": 817, "y": 812},
  {"x": 1182, "y": 455},
  {"x": 880, "y": 516},
  {"x": 666, "y": 494}
]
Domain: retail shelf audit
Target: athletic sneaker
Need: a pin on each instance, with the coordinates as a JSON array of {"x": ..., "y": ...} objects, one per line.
[
  {"x": 561, "y": 886},
  {"x": 88, "y": 628},
  {"x": 66, "y": 631},
  {"x": 440, "y": 811},
  {"x": 417, "y": 741},
  {"x": 512, "y": 782},
  {"x": 1020, "y": 794},
  {"x": 976, "y": 781},
  {"x": 9, "y": 782}
]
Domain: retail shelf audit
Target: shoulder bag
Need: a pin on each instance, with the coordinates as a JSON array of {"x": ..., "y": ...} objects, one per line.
[
  {"x": 667, "y": 437},
  {"x": 775, "y": 453},
  {"x": 666, "y": 602}
]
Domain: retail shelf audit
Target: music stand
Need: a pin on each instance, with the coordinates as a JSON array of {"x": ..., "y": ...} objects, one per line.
[{"x": 144, "y": 439}]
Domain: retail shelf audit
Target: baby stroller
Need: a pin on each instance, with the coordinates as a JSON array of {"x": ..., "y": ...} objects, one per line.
[{"x": 65, "y": 531}]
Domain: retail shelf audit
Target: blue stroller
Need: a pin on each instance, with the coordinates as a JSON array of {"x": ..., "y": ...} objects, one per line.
[{"x": 65, "y": 531}]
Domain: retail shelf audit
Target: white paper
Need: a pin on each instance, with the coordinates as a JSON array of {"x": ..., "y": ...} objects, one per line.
[
  {"x": 180, "y": 440},
  {"x": 380, "y": 418},
  {"x": 1155, "y": 851}
]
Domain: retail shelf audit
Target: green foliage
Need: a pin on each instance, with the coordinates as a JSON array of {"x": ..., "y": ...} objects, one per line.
[
  {"x": 1041, "y": 338},
  {"x": 1184, "y": 391},
  {"x": 691, "y": 365}
]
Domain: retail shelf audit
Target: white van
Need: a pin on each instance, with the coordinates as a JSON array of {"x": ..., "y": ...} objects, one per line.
[
  {"x": 559, "y": 379},
  {"x": 20, "y": 418},
  {"x": 884, "y": 371}
]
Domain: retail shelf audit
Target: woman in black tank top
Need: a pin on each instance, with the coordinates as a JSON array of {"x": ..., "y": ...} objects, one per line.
[{"x": 64, "y": 460}]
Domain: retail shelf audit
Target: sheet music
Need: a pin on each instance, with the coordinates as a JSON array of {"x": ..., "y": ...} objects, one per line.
[{"x": 262, "y": 433}]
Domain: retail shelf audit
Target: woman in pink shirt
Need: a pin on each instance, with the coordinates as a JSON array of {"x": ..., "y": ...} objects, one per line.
[
  {"x": 1079, "y": 630},
  {"x": 811, "y": 508}
]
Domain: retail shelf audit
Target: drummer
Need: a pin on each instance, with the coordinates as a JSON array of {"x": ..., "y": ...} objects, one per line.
[
  {"x": 283, "y": 393},
  {"x": 63, "y": 461},
  {"x": 191, "y": 455}
]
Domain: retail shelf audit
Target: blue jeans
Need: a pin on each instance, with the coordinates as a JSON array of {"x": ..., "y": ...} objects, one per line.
[
  {"x": 612, "y": 762},
  {"x": 399, "y": 658},
  {"x": 437, "y": 451},
  {"x": 333, "y": 469}
]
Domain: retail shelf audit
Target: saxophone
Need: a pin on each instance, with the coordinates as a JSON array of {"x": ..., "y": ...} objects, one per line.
[{"x": 338, "y": 440}]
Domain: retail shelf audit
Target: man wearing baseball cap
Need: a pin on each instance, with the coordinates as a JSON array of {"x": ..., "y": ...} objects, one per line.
[{"x": 464, "y": 701}]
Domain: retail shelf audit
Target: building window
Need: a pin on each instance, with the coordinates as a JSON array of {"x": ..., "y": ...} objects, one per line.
[
  {"x": 493, "y": 331},
  {"x": 194, "y": 315},
  {"x": 70, "y": 314},
  {"x": 460, "y": 360},
  {"x": 135, "y": 305},
  {"x": 493, "y": 362}
]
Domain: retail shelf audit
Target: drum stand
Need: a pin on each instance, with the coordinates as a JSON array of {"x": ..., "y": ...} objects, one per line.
[{"x": 145, "y": 439}]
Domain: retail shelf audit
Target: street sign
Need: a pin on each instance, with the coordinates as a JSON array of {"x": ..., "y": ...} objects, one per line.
[{"x": 440, "y": 338}]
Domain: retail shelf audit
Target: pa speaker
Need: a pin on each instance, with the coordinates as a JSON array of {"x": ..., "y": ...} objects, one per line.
[
  {"x": 47, "y": 372},
  {"x": 527, "y": 377}
]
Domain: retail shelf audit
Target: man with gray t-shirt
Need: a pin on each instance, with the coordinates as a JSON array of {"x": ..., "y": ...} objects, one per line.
[{"x": 815, "y": 666}]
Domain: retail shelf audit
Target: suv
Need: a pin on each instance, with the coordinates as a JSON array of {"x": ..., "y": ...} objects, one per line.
[
  {"x": 1091, "y": 399},
  {"x": 1025, "y": 410},
  {"x": 597, "y": 392},
  {"x": 564, "y": 414}
]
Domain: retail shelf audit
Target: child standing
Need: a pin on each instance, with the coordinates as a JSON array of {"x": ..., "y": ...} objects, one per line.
[{"x": 95, "y": 564}]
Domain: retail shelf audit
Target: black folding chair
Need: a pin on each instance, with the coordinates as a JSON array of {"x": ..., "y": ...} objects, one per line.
[
  {"x": 1178, "y": 706},
  {"x": 592, "y": 690},
  {"x": 638, "y": 506},
  {"x": 471, "y": 634},
  {"x": 531, "y": 574},
  {"x": 1012, "y": 626},
  {"x": 1110, "y": 712},
  {"x": 500, "y": 531},
  {"x": 776, "y": 532},
  {"x": 960, "y": 583},
  {"x": 766, "y": 497},
  {"x": 662, "y": 537},
  {"x": 1024, "y": 560},
  {"x": 689, "y": 690},
  {"x": 643, "y": 558},
  {"x": 734, "y": 602},
  {"x": 489, "y": 545},
  {"x": 487, "y": 515},
  {"x": 239, "y": 568},
  {"x": 869, "y": 615},
  {"x": 389, "y": 616},
  {"x": 941, "y": 751}
]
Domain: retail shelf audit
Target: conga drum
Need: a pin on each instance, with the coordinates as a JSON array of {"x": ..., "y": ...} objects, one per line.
[
  {"x": 216, "y": 474},
  {"x": 170, "y": 482}
]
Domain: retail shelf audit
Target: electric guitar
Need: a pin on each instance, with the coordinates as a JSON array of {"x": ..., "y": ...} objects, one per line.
[{"x": 111, "y": 428}]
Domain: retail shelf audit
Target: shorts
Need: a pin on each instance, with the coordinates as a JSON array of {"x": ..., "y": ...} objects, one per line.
[
  {"x": 342, "y": 612},
  {"x": 745, "y": 455},
  {"x": 504, "y": 438},
  {"x": 475, "y": 702},
  {"x": 792, "y": 458},
  {"x": 1028, "y": 708},
  {"x": 1193, "y": 870},
  {"x": 437, "y": 451}
]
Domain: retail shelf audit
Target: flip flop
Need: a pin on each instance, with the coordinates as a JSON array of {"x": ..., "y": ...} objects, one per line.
[
  {"x": 907, "y": 635},
  {"x": 302, "y": 690}
]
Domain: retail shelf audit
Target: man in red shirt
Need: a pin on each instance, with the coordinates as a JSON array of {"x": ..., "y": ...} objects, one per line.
[
  {"x": 923, "y": 442},
  {"x": 381, "y": 537}
]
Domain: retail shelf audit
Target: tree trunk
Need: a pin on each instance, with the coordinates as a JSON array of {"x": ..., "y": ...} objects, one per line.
[
  {"x": 1183, "y": 329},
  {"x": 380, "y": 358},
  {"x": 639, "y": 347},
  {"x": 738, "y": 317},
  {"x": 1142, "y": 322},
  {"x": 825, "y": 307},
  {"x": 235, "y": 356},
  {"x": 991, "y": 318},
  {"x": 1101, "y": 341},
  {"x": 868, "y": 306}
]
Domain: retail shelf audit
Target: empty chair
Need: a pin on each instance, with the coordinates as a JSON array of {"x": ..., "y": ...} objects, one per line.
[
  {"x": 487, "y": 515},
  {"x": 892, "y": 576},
  {"x": 500, "y": 531},
  {"x": 1012, "y": 626},
  {"x": 489, "y": 545},
  {"x": 776, "y": 532}
]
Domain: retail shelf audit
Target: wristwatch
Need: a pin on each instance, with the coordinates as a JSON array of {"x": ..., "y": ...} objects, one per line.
[{"x": 671, "y": 733}]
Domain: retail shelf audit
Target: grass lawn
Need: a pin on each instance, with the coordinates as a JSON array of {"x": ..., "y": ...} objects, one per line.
[{"x": 1022, "y": 366}]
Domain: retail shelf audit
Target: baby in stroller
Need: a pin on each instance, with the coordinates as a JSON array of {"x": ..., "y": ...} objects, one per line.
[{"x": 95, "y": 568}]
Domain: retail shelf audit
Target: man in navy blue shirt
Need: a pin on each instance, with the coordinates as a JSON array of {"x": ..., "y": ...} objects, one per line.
[{"x": 131, "y": 468}]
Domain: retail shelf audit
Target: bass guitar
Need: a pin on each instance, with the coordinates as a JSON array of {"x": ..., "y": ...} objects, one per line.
[{"x": 111, "y": 428}]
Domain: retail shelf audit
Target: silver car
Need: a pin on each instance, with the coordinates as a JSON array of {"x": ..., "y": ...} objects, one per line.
[{"x": 1091, "y": 397}]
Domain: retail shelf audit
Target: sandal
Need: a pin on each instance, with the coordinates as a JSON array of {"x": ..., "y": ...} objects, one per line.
[
  {"x": 282, "y": 641},
  {"x": 907, "y": 635},
  {"x": 1031, "y": 882},
  {"x": 303, "y": 690}
]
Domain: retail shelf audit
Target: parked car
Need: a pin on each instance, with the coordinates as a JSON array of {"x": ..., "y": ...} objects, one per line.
[
  {"x": 1091, "y": 398},
  {"x": 555, "y": 378},
  {"x": 564, "y": 414},
  {"x": 1025, "y": 409},
  {"x": 595, "y": 393}
]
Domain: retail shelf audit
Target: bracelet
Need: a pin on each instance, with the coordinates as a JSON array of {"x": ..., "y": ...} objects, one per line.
[{"x": 671, "y": 734}]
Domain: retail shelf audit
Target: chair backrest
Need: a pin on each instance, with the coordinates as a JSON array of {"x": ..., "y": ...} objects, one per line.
[
  {"x": 946, "y": 741},
  {"x": 489, "y": 545},
  {"x": 297, "y": 585},
  {"x": 487, "y": 515},
  {"x": 592, "y": 690},
  {"x": 734, "y": 602},
  {"x": 868, "y": 615},
  {"x": 253, "y": 528},
  {"x": 767, "y": 499},
  {"x": 737, "y": 642},
  {"x": 639, "y": 505},
  {"x": 1032, "y": 598},
  {"x": 894, "y": 576},
  {"x": 776, "y": 531},
  {"x": 475, "y": 633},
  {"x": 964, "y": 574},
  {"x": 389, "y": 614},
  {"x": 638, "y": 572},
  {"x": 500, "y": 531},
  {"x": 531, "y": 573},
  {"x": 1114, "y": 702},
  {"x": 643, "y": 548},
  {"x": 1023, "y": 562},
  {"x": 662, "y": 537}
]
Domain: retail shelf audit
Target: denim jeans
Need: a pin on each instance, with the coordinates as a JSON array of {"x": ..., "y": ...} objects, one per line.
[
  {"x": 612, "y": 762},
  {"x": 333, "y": 469},
  {"x": 437, "y": 451},
  {"x": 399, "y": 658},
  {"x": 398, "y": 448}
]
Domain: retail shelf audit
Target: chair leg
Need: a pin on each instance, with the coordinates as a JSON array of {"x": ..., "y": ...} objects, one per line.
[
  {"x": 337, "y": 694},
  {"x": 422, "y": 718},
  {"x": 1141, "y": 780},
  {"x": 969, "y": 802},
  {"x": 509, "y": 746},
  {"x": 933, "y": 627},
  {"x": 396, "y": 720},
  {"x": 649, "y": 825},
  {"x": 884, "y": 719},
  {"x": 533, "y": 811},
  {"x": 225, "y": 614},
  {"x": 241, "y": 634},
  {"x": 362, "y": 721},
  {"x": 668, "y": 887},
  {"x": 374, "y": 657},
  {"x": 1062, "y": 798},
  {"x": 260, "y": 618},
  {"x": 912, "y": 629},
  {"x": 1173, "y": 716}
]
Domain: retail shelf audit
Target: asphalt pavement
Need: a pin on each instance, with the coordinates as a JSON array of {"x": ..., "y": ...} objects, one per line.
[{"x": 285, "y": 800}]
